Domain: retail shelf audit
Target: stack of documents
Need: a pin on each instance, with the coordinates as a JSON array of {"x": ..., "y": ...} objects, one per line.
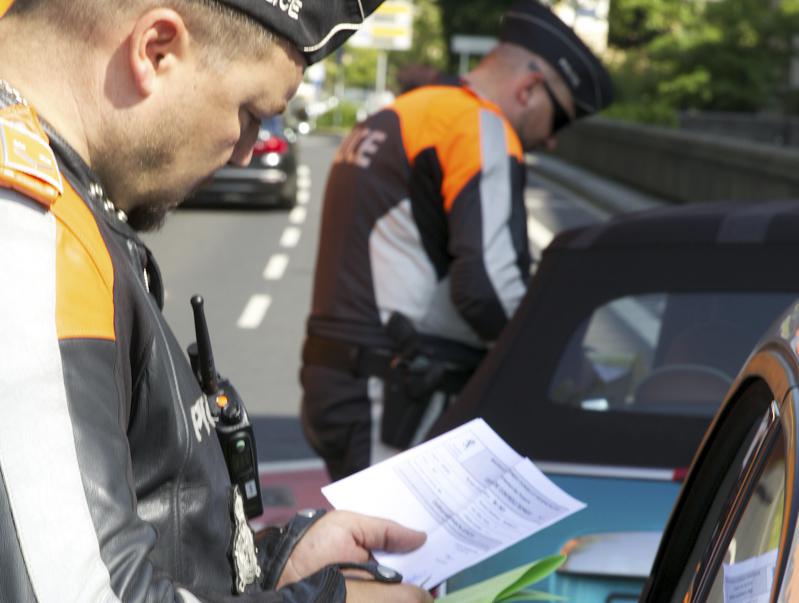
[{"x": 467, "y": 489}]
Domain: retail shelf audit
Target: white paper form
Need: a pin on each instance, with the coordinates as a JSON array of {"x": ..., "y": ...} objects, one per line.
[
  {"x": 750, "y": 581},
  {"x": 467, "y": 489}
]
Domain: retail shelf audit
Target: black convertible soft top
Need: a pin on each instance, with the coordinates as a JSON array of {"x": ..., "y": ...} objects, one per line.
[{"x": 734, "y": 247}]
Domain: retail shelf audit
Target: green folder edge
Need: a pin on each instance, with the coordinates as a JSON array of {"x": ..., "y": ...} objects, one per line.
[{"x": 510, "y": 586}]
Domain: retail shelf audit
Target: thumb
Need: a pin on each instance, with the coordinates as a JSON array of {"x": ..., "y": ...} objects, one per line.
[{"x": 386, "y": 535}]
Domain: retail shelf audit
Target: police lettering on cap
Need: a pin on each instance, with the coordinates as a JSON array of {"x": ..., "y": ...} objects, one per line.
[
  {"x": 535, "y": 27},
  {"x": 315, "y": 27}
]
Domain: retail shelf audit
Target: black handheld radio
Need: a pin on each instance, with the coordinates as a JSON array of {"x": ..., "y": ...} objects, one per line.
[{"x": 232, "y": 423}]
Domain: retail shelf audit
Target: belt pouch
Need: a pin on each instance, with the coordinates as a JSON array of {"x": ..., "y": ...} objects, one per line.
[{"x": 402, "y": 412}]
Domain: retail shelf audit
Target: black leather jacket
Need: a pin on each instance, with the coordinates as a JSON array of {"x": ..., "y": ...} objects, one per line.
[{"x": 110, "y": 489}]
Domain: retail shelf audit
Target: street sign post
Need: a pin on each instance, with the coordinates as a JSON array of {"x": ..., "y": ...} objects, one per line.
[
  {"x": 467, "y": 46},
  {"x": 390, "y": 27}
]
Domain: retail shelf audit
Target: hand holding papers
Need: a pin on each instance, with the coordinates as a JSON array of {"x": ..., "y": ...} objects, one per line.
[{"x": 467, "y": 489}]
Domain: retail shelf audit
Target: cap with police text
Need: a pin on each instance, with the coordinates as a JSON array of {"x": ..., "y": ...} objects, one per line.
[
  {"x": 536, "y": 28},
  {"x": 315, "y": 27}
]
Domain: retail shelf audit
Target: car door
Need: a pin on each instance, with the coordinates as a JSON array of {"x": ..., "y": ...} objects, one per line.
[{"x": 731, "y": 534}]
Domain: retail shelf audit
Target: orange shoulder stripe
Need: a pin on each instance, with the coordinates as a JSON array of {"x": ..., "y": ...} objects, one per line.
[
  {"x": 84, "y": 272},
  {"x": 447, "y": 118}
]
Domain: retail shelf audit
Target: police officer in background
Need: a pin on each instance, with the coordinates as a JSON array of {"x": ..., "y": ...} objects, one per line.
[
  {"x": 110, "y": 113},
  {"x": 423, "y": 255}
]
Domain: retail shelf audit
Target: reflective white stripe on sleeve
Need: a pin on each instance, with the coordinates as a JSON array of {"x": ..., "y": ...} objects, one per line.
[
  {"x": 37, "y": 448},
  {"x": 187, "y": 597},
  {"x": 495, "y": 201}
]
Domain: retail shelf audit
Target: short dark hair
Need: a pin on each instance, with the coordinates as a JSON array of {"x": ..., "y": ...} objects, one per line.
[{"x": 224, "y": 31}]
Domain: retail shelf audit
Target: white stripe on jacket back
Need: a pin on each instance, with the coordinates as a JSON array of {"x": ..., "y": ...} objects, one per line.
[
  {"x": 38, "y": 460},
  {"x": 495, "y": 201},
  {"x": 402, "y": 275},
  {"x": 405, "y": 280}
]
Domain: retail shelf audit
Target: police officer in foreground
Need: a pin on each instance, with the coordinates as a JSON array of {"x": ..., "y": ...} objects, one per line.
[
  {"x": 113, "y": 485},
  {"x": 423, "y": 255}
]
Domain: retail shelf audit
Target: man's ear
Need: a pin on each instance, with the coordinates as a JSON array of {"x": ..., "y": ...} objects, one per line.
[
  {"x": 525, "y": 85},
  {"x": 158, "y": 43}
]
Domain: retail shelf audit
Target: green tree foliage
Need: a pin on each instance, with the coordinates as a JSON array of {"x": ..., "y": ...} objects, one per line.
[
  {"x": 724, "y": 55},
  {"x": 634, "y": 23},
  {"x": 429, "y": 47}
]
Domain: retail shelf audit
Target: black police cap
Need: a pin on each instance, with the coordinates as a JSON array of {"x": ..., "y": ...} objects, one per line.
[
  {"x": 536, "y": 28},
  {"x": 315, "y": 27}
]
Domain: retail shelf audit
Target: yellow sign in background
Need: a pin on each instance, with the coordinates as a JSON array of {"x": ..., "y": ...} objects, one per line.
[
  {"x": 4, "y": 4},
  {"x": 389, "y": 28}
]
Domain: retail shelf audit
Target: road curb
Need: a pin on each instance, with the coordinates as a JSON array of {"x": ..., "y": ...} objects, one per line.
[{"x": 606, "y": 194}]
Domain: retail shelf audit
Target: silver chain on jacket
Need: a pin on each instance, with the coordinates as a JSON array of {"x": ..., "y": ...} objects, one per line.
[
  {"x": 95, "y": 190},
  {"x": 13, "y": 93}
]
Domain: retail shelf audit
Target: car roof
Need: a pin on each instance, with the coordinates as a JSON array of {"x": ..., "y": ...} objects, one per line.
[
  {"x": 719, "y": 246},
  {"x": 710, "y": 248},
  {"x": 703, "y": 224}
]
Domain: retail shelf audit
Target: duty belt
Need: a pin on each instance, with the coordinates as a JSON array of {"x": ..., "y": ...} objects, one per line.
[{"x": 363, "y": 361}]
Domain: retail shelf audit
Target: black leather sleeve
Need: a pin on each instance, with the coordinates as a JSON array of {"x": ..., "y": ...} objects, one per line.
[
  {"x": 275, "y": 545},
  {"x": 325, "y": 586}
]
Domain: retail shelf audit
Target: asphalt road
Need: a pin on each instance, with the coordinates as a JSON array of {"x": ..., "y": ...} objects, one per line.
[{"x": 254, "y": 268}]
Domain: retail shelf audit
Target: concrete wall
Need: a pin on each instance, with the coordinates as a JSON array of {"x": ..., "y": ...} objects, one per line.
[
  {"x": 681, "y": 166},
  {"x": 768, "y": 128}
]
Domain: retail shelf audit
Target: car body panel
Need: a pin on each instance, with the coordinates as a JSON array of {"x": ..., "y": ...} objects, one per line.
[
  {"x": 728, "y": 253},
  {"x": 674, "y": 251},
  {"x": 270, "y": 179}
]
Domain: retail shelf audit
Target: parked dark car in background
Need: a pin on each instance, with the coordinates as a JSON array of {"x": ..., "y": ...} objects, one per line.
[
  {"x": 732, "y": 535},
  {"x": 269, "y": 180},
  {"x": 628, "y": 340}
]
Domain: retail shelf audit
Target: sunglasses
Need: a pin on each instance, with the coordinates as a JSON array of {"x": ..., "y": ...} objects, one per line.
[{"x": 560, "y": 118}]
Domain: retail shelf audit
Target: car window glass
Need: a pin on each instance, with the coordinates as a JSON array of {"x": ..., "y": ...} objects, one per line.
[
  {"x": 663, "y": 353},
  {"x": 747, "y": 571}
]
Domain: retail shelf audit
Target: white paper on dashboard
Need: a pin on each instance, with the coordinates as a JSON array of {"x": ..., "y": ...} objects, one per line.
[
  {"x": 750, "y": 581},
  {"x": 467, "y": 489}
]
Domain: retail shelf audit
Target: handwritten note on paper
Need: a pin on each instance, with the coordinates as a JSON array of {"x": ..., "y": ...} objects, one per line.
[{"x": 467, "y": 489}]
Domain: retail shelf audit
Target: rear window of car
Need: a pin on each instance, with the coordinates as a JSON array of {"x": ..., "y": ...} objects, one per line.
[{"x": 662, "y": 353}]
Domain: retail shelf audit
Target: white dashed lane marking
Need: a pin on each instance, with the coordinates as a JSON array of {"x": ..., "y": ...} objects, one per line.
[
  {"x": 276, "y": 267},
  {"x": 291, "y": 236},
  {"x": 258, "y": 305},
  {"x": 298, "y": 215},
  {"x": 303, "y": 177},
  {"x": 254, "y": 312}
]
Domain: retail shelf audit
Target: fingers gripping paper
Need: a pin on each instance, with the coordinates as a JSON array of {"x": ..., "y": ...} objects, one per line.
[{"x": 467, "y": 489}]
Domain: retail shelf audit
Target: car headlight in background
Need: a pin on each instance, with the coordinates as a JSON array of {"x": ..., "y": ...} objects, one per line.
[{"x": 271, "y": 159}]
